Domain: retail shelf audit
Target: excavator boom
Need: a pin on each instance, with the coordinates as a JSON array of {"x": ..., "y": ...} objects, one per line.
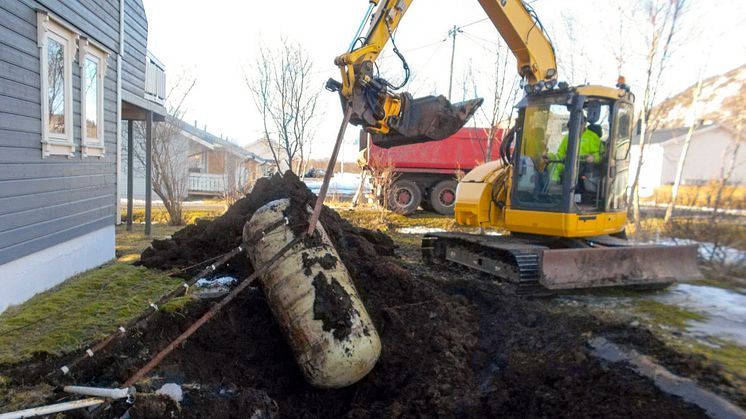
[{"x": 560, "y": 188}]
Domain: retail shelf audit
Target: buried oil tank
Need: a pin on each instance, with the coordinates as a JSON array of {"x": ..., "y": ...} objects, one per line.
[{"x": 312, "y": 297}]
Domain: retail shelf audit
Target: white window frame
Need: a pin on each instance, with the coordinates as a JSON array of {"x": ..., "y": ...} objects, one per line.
[
  {"x": 55, "y": 143},
  {"x": 92, "y": 147}
]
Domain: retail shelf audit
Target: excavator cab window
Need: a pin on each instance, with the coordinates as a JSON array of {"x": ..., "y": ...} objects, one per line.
[
  {"x": 540, "y": 163},
  {"x": 543, "y": 160},
  {"x": 590, "y": 184}
]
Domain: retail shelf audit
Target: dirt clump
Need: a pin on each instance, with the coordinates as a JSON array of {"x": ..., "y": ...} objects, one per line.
[{"x": 333, "y": 306}]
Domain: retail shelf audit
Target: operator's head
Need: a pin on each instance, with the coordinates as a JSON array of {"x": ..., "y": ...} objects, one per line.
[{"x": 597, "y": 129}]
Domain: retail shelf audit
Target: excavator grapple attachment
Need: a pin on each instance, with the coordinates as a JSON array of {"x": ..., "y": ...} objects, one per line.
[{"x": 425, "y": 119}]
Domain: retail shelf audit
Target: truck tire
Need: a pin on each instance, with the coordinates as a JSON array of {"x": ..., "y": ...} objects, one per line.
[
  {"x": 443, "y": 197},
  {"x": 404, "y": 197}
]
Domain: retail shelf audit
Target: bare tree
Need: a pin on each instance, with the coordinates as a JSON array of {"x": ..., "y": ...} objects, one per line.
[
  {"x": 500, "y": 86},
  {"x": 286, "y": 97},
  {"x": 663, "y": 23},
  {"x": 572, "y": 61},
  {"x": 684, "y": 149},
  {"x": 237, "y": 179},
  {"x": 730, "y": 159},
  {"x": 170, "y": 174}
]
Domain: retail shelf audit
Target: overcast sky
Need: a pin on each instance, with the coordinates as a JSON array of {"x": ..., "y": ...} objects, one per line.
[{"x": 216, "y": 41}]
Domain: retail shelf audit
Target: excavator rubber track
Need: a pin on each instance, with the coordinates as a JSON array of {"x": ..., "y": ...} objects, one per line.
[{"x": 540, "y": 265}]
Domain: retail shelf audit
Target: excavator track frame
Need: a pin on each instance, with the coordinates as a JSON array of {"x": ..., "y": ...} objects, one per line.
[{"x": 542, "y": 265}]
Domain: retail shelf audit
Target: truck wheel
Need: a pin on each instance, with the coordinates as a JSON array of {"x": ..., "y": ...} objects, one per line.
[
  {"x": 404, "y": 197},
  {"x": 443, "y": 197}
]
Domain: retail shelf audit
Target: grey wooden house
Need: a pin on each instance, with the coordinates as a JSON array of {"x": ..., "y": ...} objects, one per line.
[{"x": 71, "y": 71}]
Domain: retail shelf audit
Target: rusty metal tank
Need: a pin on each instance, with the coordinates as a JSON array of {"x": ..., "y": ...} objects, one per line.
[{"x": 312, "y": 297}]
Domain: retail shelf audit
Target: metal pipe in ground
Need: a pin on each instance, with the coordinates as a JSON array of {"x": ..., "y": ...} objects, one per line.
[
  {"x": 110, "y": 393},
  {"x": 207, "y": 316},
  {"x": 52, "y": 408},
  {"x": 329, "y": 172}
]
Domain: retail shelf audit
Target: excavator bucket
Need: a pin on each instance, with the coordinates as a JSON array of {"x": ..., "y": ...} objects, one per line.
[
  {"x": 424, "y": 119},
  {"x": 615, "y": 266}
]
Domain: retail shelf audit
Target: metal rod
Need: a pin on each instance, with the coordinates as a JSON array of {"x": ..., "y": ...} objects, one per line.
[
  {"x": 130, "y": 169},
  {"x": 148, "y": 170},
  {"x": 109, "y": 393},
  {"x": 52, "y": 408},
  {"x": 176, "y": 292},
  {"x": 208, "y": 315},
  {"x": 329, "y": 172}
]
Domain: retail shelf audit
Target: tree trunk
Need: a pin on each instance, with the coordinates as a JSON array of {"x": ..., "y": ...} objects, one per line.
[
  {"x": 684, "y": 151},
  {"x": 636, "y": 183}
]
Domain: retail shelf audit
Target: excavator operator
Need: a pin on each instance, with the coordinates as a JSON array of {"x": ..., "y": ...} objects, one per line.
[{"x": 592, "y": 149}]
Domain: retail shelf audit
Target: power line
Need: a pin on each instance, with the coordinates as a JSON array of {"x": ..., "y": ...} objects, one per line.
[{"x": 474, "y": 23}]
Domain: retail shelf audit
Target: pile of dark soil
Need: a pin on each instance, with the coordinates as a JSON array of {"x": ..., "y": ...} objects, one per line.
[
  {"x": 453, "y": 345},
  {"x": 427, "y": 335}
]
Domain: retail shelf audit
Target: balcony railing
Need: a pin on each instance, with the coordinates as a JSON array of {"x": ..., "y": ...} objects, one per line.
[
  {"x": 155, "y": 80},
  {"x": 206, "y": 184}
]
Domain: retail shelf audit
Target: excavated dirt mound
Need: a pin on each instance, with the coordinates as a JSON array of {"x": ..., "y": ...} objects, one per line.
[
  {"x": 453, "y": 345},
  {"x": 427, "y": 335}
]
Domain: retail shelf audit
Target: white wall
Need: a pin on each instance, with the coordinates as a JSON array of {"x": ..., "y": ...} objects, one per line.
[
  {"x": 22, "y": 278},
  {"x": 708, "y": 152},
  {"x": 652, "y": 166}
]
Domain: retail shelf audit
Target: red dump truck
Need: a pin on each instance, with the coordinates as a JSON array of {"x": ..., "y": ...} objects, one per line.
[{"x": 425, "y": 174}]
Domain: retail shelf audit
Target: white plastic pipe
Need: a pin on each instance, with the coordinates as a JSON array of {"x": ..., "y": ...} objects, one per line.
[
  {"x": 52, "y": 408},
  {"x": 111, "y": 393}
]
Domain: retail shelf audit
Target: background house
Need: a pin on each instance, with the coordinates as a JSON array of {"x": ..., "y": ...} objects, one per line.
[
  {"x": 708, "y": 155},
  {"x": 721, "y": 112},
  {"x": 210, "y": 165},
  {"x": 261, "y": 149},
  {"x": 70, "y": 73}
]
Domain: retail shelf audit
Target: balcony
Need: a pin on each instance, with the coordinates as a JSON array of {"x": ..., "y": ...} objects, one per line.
[
  {"x": 206, "y": 184},
  {"x": 155, "y": 80}
]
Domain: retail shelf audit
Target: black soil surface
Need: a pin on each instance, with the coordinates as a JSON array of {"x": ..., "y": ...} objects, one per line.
[{"x": 454, "y": 345}]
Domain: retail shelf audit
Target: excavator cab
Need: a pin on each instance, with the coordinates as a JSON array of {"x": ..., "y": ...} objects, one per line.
[{"x": 570, "y": 159}]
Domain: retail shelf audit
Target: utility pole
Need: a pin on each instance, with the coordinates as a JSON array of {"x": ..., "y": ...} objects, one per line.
[{"x": 452, "y": 33}]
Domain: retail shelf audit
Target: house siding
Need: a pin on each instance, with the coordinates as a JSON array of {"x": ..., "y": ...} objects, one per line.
[
  {"x": 135, "y": 47},
  {"x": 47, "y": 201}
]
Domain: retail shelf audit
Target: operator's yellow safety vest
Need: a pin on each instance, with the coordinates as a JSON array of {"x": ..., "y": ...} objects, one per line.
[{"x": 590, "y": 143}]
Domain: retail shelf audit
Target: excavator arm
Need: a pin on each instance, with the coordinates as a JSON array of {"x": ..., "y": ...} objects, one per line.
[
  {"x": 523, "y": 32},
  {"x": 396, "y": 119}
]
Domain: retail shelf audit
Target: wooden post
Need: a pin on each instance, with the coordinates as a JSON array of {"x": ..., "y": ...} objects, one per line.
[
  {"x": 148, "y": 169},
  {"x": 130, "y": 169}
]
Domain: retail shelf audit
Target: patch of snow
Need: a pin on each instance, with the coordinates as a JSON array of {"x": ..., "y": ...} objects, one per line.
[
  {"x": 171, "y": 390},
  {"x": 725, "y": 310},
  {"x": 420, "y": 230},
  {"x": 341, "y": 183},
  {"x": 708, "y": 251},
  {"x": 224, "y": 281},
  {"x": 214, "y": 287}
]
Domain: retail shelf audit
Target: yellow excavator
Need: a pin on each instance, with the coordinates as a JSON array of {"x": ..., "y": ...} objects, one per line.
[{"x": 560, "y": 187}]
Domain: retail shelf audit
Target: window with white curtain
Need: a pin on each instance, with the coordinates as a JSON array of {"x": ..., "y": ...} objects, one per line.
[
  {"x": 92, "y": 61},
  {"x": 57, "y": 48}
]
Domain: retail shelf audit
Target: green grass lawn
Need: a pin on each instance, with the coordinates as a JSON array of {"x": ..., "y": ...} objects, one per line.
[{"x": 88, "y": 306}]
